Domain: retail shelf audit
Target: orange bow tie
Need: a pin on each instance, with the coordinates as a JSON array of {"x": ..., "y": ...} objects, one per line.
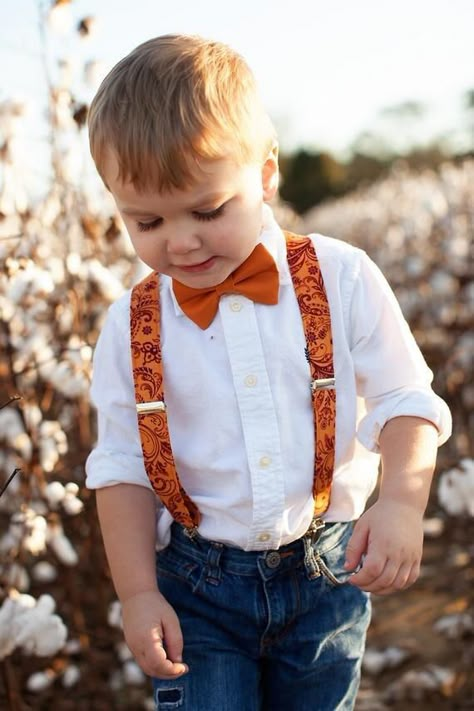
[{"x": 256, "y": 278}]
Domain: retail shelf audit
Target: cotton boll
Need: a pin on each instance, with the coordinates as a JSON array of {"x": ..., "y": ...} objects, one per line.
[
  {"x": 64, "y": 550},
  {"x": 22, "y": 444},
  {"x": 10, "y": 542},
  {"x": 132, "y": 674},
  {"x": 456, "y": 489},
  {"x": 374, "y": 661},
  {"x": 64, "y": 318},
  {"x": 31, "y": 625},
  {"x": 7, "y": 308},
  {"x": 110, "y": 287},
  {"x": 455, "y": 626},
  {"x": 114, "y": 615},
  {"x": 61, "y": 107},
  {"x": 49, "y": 455},
  {"x": 50, "y": 209},
  {"x": 55, "y": 493},
  {"x": 71, "y": 488},
  {"x": 415, "y": 685},
  {"x": 72, "y": 646},
  {"x": 72, "y": 505},
  {"x": 94, "y": 72},
  {"x": 41, "y": 632},
  {"x": 60, "y": 18},
  {"x": 433, "y": 527},
  {"x": 39, "y": 681},
  {"x": 116, "y": 681},
  {"x": 35, "y": 539},
  {"x": 7, "y": 641},
  {"x": 56, "y": 269},
  {"x": 73, "y": 263},
  {"x": 123, "y": 651},
  {"x": 32, "y": 415},
  {"x": 44, "y": 572},
  {"x": 12, "y": 431},
  {"x": 71, "y": 676},
  {"x": 53, "y": 443},
  {"x": 61, "y": 545},
  {"x": 16, "y": 576},
  {"x": 66, "y": 71}
]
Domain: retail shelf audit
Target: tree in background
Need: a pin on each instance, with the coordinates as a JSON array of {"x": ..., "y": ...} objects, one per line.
[{"x": 309, "y": 178}]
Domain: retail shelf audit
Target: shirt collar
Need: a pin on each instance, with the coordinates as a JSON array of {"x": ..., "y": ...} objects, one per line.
[{"x": 272, "y": 239}]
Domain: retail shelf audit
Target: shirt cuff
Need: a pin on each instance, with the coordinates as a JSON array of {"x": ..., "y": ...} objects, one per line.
[
  {"x": 108, "y": 468},
  {"x": 427, "y": 406}
]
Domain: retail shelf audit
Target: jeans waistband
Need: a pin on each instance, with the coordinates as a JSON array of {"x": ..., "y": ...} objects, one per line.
[{"x": 240, "y": 561}]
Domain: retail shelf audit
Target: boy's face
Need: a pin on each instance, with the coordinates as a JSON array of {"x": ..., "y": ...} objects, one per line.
[{"x": 198, "y": 235}]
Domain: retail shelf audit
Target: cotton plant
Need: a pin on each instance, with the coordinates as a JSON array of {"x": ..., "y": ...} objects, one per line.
[
  {"x": 456, "y": 489},
  {"x": 30, "y": 625}
]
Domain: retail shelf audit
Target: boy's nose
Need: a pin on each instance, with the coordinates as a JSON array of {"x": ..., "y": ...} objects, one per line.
[{"x": 182, "y": 242}]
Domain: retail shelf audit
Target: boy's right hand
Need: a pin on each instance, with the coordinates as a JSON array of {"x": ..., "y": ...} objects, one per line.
[{"x": 153, "y": 634}]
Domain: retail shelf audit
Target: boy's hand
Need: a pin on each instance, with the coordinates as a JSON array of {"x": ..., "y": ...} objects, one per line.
[
  {"x": 390, "y": 537},
  {"x": 153, "y": 633}
]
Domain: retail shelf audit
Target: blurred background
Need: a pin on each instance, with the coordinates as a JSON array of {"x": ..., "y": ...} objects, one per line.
[{"x": 374, "y": 105}]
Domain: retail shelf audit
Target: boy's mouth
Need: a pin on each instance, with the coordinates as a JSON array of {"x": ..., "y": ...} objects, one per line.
[{"x": 201, "y": 267}]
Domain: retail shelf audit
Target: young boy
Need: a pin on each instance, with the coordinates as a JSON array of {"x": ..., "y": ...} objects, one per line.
[{"x": 245, "y": 392}]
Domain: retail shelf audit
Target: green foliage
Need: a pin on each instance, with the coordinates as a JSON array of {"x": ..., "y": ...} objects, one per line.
[{"x": 309, "y": 178}]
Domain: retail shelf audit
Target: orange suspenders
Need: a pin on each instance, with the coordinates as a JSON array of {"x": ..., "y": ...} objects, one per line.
[{"x": 148, "y": 379}]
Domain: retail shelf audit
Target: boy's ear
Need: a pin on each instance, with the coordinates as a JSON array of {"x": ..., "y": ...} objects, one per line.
[{"x": 270, "y": 174}]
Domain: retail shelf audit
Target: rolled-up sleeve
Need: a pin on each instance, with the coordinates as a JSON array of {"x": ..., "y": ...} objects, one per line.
[
  {"x": 391, "y": 373},
  {"x": 117, "y": 456}
]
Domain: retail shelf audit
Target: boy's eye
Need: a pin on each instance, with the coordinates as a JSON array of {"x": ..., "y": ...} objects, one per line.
[
  {"x": 145, "y": 226},
  {"x": 204, "y": 216}
]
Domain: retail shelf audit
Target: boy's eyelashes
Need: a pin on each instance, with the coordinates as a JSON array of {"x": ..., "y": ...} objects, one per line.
[{"x": 201, "y": 216}]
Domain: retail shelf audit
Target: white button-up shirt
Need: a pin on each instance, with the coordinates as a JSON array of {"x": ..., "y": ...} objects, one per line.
[{"x": 239, "y": 404}]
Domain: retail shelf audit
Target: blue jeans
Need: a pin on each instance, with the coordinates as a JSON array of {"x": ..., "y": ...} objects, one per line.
[{"x": 261, "y": 631}]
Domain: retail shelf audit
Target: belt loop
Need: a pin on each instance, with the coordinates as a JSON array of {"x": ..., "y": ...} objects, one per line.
[{"x": 212, "y": 570}]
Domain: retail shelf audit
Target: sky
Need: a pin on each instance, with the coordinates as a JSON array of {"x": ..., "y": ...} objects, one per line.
[{"x": 325, "y": 68}]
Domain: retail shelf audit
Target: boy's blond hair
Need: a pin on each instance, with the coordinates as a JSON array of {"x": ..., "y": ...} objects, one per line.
[{"x": 173, "y": 101}]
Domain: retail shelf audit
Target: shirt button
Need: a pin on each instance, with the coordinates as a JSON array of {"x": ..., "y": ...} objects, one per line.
[
  {"x": 265, "y": 461},
  {"x": 250, "y": 381},
  {"x": 235, "y": 306},
  {"x": 264, "y": 537}
]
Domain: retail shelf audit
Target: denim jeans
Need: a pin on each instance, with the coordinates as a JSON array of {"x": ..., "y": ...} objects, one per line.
[{"x": 261, "y": 633}]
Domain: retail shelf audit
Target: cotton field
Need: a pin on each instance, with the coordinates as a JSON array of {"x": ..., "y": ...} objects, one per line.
[{"x": 65, "y": 259}]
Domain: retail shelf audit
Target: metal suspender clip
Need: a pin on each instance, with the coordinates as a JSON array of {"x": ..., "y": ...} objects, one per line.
[
  {"x": 191, "y": 532},
  {"x": 323, "y": 384},
  {"x": 144, "y": 408},
  {"x": 310, "y": 538}
]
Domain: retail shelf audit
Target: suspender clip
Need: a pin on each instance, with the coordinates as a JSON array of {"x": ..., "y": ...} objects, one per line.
[
  {"x": 323, "y": 384},
  {"x": 144, "y": 408}
]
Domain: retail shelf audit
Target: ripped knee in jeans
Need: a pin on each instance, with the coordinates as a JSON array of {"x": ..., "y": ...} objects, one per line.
[{"x": 169, "y": 698}]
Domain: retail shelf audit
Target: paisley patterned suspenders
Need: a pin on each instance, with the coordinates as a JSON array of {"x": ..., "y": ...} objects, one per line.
[{"x": 148, "y": 379}]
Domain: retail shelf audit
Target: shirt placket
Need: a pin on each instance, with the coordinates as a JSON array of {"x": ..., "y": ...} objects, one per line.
[{"x": 258, "y": 418}]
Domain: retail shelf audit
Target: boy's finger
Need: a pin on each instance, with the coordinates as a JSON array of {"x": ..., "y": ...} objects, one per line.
[
  {"x": 356, "y": 546},
  {"x": 370, "y": 573},
  {"x": 173, "y": 641},
  {"x": 403, "y": 577},
  {"x": 158, "y": 664}
]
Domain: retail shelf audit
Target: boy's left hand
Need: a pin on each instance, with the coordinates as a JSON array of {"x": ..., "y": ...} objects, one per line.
[{"x": 389, "y": 536}]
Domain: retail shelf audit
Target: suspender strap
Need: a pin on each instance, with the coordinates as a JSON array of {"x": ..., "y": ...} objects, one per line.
[
  {"x": 151, "y": 408},
  {"x": 314, "y": 307}
]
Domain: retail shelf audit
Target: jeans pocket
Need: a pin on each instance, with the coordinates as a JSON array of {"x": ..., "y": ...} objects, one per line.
[
  {"x": 177, "y": 568},
  {"x": 331, "y": 560}
]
